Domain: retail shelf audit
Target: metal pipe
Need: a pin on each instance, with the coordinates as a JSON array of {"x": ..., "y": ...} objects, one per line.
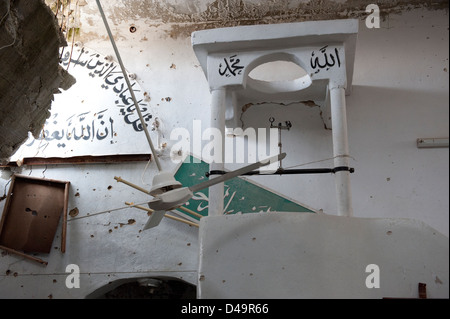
[
  {"x": 291, "y": 171},
  {"x": 144, "y": 126}
]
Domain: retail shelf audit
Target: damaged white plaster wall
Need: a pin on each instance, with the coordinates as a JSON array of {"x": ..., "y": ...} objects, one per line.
[{"x": 400, "y": 93}]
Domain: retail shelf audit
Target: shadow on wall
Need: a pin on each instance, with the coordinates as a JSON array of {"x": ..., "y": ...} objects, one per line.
[{"x": 146, "y": 288}]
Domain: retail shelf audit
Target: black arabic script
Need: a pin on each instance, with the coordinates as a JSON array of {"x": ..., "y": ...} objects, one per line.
[
  {"x": 230, "y": 67},
  {"x": 79, "y": 127},
  {"x": 112, "y": 78},
  {"x": 324, "y": 60}
]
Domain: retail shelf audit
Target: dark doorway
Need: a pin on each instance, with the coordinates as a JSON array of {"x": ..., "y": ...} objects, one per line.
[{"x": 148, "y": 288}]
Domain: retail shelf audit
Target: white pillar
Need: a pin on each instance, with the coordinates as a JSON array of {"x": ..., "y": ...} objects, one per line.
[
  {"x": 340, "y": 150},
  {"x": 216, "y": 192}
]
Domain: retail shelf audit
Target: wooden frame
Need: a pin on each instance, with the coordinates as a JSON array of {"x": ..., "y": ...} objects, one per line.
[
  {"x": 31, "y": 216},
  {"x": 78, "y": 160}
]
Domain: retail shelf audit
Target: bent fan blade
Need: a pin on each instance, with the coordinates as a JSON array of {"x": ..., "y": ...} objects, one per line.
[
  {"x": 155, "y": 219},
  {"x": 177, "y": 197}
]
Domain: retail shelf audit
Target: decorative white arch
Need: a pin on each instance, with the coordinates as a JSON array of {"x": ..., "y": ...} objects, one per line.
[
  {"x": 324, "y": 49},
  {"x": 274, "y": 87}
]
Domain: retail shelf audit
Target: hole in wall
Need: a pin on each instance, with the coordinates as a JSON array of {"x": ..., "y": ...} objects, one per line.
[
  {"x": 29, "y": 210},
  {"x": 277, "y": 71},
  {"x": 279, "y": 76}
]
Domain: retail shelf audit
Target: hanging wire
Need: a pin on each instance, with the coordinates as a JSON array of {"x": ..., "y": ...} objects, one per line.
[
  {"x": 102, "y": 212},
  {"x": 106, "y": 211},
  {"x": 322, "y": 160},
  {"x": 145, "y": 169}
]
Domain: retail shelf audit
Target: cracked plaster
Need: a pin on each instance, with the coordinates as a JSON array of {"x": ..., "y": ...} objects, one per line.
[{"x": 184, "y": 17}]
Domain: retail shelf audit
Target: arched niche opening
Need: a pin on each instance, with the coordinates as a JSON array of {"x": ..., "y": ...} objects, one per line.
[
  {"x": 146, "y": 288},
  {"x": 278, "y": 76}
]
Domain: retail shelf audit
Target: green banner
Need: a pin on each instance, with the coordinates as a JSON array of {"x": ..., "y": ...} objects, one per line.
[{"x": 241, "y": 196}]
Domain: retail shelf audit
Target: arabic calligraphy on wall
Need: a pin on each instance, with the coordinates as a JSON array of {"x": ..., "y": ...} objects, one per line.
[
  {"x": 96, "y": 116},
  {"x": 230, "y": 66},
  {"x": 112, "y": 78},
  {"x": 324, "y": 60},
  {"x": 85, "y": 126}
]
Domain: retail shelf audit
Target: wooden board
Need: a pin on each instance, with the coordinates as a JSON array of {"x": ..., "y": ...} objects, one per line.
[
  {"x": 79, "y": 160},
  {"x": 31, "y": 214}
]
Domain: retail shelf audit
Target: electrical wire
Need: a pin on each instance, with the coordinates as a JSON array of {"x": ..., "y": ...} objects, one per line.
[
  {"x": 103, "y": 212},
  {"x": 318, "y": 161},
  {"x": 145, "y": 169}
]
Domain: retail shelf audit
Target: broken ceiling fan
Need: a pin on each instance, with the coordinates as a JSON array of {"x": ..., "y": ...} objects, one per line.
[{"x": 167, "y": 192}]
